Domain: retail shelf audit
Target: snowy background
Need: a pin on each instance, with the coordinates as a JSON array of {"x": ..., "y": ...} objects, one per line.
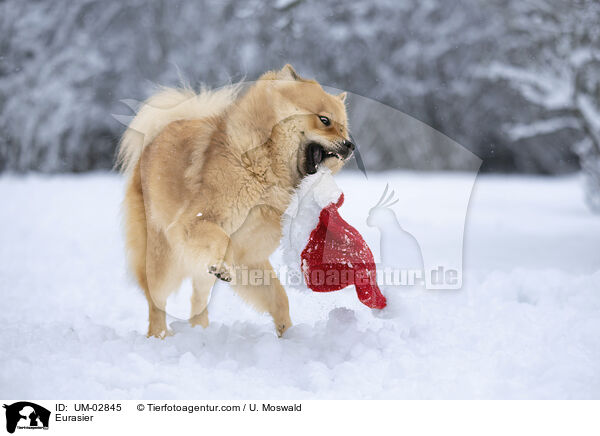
[{"x": 517, "y": 83}]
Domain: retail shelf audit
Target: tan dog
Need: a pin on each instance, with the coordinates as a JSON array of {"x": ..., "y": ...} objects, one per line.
[{"x": 210, "y": 175}]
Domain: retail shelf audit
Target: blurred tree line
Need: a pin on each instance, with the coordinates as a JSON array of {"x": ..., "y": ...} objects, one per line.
[{"x": 515, "y": 81}]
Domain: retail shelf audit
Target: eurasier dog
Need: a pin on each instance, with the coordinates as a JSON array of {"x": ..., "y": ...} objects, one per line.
[{"x": 209, "y": 176}]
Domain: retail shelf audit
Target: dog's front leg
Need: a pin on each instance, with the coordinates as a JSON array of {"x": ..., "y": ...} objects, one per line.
[
  {"x": 259, "y": 286},
  {"x": 207, "y": 247}
]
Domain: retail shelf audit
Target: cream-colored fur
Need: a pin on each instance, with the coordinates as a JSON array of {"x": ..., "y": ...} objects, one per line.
[
  {"x": 164, "y": 107},
  {"x": 209, "y": 176}
]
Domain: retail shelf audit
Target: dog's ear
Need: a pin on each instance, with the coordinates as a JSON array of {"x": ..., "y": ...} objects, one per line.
[
  {"x": 288, "y": 73},
  {"x": 343, "y": 96}
]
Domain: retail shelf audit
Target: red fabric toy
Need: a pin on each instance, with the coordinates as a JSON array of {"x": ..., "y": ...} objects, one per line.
[{"x": 333, "y": 253}]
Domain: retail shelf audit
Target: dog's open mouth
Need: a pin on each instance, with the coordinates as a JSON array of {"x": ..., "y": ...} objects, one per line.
[{"x": 315, "y": 154}]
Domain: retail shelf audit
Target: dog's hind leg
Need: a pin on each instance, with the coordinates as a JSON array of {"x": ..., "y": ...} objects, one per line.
[
  {"x": 261, "y": 288},
  {"x": 203, "y": 283},
  {"x": 157, "y": 325},
  {"x": 164, "y": 277},
  {"x": 137, "y": 245}
]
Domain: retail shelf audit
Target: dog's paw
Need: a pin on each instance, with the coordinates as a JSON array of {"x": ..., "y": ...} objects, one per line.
[
  {"x": 162, "y": 334},
  {"x": 201, "y": 320},
  {"x": 220, "y": 272},
  {"x": 281, "y": 328}
]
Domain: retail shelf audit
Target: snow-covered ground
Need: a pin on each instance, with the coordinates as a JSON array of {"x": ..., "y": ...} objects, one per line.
[{"x": 525, "y": 325}]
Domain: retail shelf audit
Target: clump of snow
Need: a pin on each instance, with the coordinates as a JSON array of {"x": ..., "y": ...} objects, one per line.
[{"x": 524, "y": 325}]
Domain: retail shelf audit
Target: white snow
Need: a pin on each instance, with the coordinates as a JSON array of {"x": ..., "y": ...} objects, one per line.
[
  {"x": 542, "y": 127},
  {"x": 553, "y": 90},
  {"x": 524, "y": 325}
]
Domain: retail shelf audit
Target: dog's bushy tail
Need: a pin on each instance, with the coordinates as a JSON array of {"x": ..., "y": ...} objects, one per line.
[{"x": 164, "y": 107}]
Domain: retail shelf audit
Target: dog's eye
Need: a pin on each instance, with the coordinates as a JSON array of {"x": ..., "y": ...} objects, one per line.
[{"x": 324, "y": 120}]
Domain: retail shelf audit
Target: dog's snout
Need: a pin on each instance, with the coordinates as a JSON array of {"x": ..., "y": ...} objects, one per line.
[{"x": 348, "y": 144}]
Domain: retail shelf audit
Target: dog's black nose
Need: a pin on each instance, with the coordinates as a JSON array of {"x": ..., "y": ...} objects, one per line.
[{"x": 348, "y": 144}]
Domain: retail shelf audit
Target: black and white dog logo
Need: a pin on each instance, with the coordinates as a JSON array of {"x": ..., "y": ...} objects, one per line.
[{"x": 26, "y": 415}]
